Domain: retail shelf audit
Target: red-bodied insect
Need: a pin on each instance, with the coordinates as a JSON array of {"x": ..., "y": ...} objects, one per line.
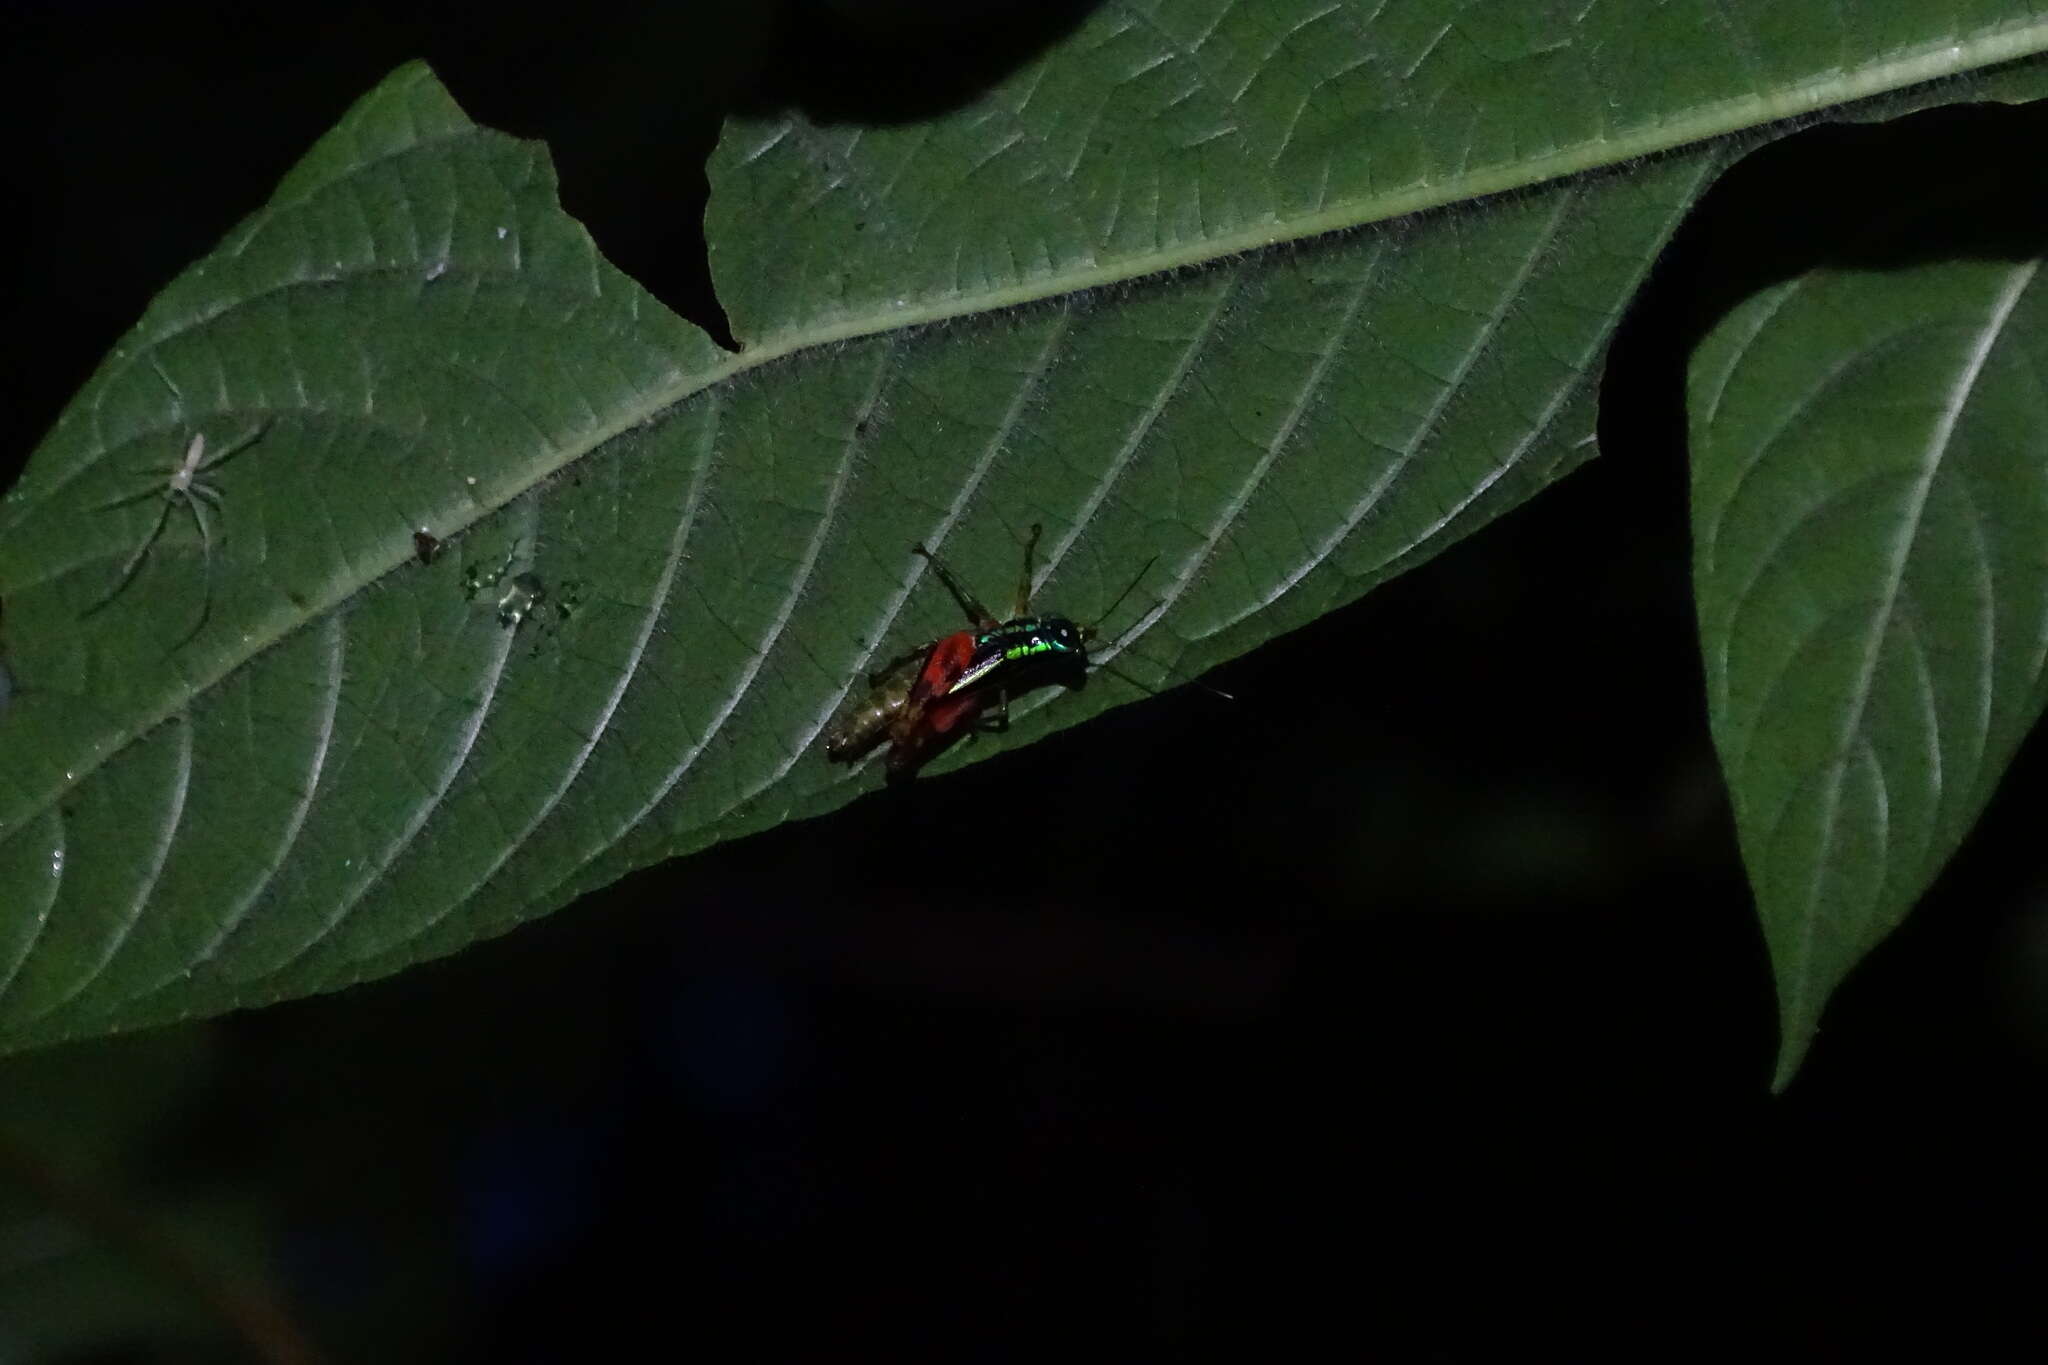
[{"x": 927, "y": 699}]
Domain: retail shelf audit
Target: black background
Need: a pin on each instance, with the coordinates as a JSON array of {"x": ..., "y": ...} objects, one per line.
[{"x": 1414, "y": 999}]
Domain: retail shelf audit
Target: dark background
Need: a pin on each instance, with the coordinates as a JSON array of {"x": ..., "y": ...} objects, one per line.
[{"x": 1436, "y": 1020}]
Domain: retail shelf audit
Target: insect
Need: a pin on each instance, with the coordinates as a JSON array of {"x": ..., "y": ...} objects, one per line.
[
  {"x": 925, "y": 700},
  {"x": 864, "y": 721},
  {"x": 186, "y": 486},
  {"x": 901, "y": 692}
]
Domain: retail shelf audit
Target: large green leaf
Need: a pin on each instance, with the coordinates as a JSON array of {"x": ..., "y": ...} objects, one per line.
[
  {"x": 288, "y": 756},
  {"x": 1169, "y": 133},
  {"x": 1871, "y": 516}
]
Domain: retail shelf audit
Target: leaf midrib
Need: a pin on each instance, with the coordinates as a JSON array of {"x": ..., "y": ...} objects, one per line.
[
  {"x": 1938, "y": 444},
  {"x": 1933, "y": 62}
]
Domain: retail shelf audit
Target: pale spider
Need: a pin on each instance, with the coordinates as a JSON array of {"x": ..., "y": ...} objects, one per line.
[{"x": 187, "y": 485}]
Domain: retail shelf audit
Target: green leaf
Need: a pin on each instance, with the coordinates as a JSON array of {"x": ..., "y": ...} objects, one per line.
[
  {"x": 283, "y": 754},
  {"x": 1170, "y": 133},
  {"x": 1870, "y": 519}
]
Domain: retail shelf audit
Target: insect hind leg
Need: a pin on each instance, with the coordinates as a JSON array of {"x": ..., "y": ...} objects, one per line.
[
  {"x": 1023, "y": 605},
  {"x": 977, "y": 614},
  {"x": 908, "y": 656}
]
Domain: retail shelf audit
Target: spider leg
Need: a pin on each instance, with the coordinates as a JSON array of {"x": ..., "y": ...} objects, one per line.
[
  {"x": 205, "y": 606},
  {"x": 176, "y": 397},
  {"x": 226, "y": 453},
  {"x": 197, "y": 507},
  {"x": 155, "y": 490},
  {"x": 197, "y": 500},
  {"x": 134, "y": 563}
]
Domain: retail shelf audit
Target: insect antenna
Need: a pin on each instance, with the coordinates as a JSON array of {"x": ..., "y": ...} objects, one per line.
[
  {"x": 1129, "y": 588},
  {"x": 1152, "y": 691},
  {"x": 1117, "y": 645}
]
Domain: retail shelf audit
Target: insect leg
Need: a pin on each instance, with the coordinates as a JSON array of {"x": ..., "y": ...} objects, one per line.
[
  {"x": 907, "y": 657},
  {"x": 1030, "y": 569},
  {"x": 977, "y": 614}
]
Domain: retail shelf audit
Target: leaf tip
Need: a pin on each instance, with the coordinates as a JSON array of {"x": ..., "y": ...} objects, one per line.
[
  {"x": 1791, "y": 1055},
  {"x": 1798, "y": 1023}
]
